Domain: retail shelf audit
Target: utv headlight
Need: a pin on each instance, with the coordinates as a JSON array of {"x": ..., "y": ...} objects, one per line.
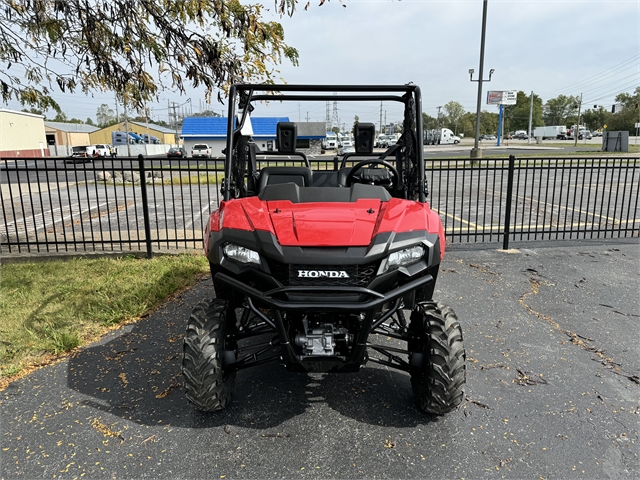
[
  {"x": 241, "y": 254},
  {"x": 404, "y": 257}
]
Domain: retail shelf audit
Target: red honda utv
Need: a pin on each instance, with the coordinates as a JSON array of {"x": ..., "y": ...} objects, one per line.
[{"x": 310, "y": 265}]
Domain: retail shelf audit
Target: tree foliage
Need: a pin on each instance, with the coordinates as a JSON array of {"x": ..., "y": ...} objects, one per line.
[
  {"x": 135, "y": 48},
  {"x": 105, "y": 116},
  {"x": 518, "y": 115},
  {"x": 429, "y": 122},
  {"x": 206, "y": 113},
  {"x": 595, "y": 118},
  {"x": 453, "y": 114},
  {"x": 629, "y": 115},
  {"x": 557, "y": 111}
]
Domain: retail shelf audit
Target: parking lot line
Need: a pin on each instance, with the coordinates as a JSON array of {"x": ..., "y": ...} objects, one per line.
[
  {"x": 455, "y": 217},
  {"x": 614, "y": 220}
]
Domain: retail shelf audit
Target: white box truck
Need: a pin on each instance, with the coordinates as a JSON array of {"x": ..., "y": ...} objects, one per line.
[
  {"x": 556, "y": 132},
  {"x": 440, "y": 136}
]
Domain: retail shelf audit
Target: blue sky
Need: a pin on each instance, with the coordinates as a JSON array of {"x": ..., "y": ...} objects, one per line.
[{"x": 551, "y": 47}]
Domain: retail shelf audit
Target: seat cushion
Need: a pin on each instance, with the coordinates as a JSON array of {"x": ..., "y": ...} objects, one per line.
[{"x": 301, "y": 176}]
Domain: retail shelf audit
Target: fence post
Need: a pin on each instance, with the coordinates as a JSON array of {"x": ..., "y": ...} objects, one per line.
[
  {"x": 507, "y": 213},
  {"x": 145, "y": 205}
]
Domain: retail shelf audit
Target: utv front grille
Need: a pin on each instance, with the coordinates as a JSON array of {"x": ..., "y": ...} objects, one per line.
[{"x": 299, "y": 275}]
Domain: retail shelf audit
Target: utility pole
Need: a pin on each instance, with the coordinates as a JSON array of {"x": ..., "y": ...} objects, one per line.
[
  {"x": 328, "y": 118},
  {"x": 530, "y": 116},
  {"x": 638, "y": 126},
  {"x": 117, "y": 115},
  {"x": 577, "y": 129},
  {"x": 175, "y": 121},
  {"x": 380, "y": 132},
  {"x": 117, "y": 112},
  {"x": 146, "y": 117},
  {"x": 335, "y": 120},
  {"x": 439, "y": 116},
  {"x": 126, "y": 126}
]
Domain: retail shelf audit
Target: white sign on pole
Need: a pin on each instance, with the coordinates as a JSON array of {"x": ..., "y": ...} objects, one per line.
[
  {"x": 509, "y": 97},
  {"x": 502, "y": 97}
]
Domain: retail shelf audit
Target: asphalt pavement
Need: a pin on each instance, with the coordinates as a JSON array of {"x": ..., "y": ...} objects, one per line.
[{"x": 553, "y": 389}]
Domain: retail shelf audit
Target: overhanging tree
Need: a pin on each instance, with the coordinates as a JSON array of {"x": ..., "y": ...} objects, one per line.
[{"x": 137, "y": 48}]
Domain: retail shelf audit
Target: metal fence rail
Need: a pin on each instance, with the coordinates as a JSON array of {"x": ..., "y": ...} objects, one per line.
[
  {"x": 129, "y": 204},
  {"x": 513, "y": 199}
]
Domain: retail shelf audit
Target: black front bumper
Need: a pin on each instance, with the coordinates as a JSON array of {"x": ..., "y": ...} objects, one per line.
[
  {"x": 274, "y": 298},
  {"x": 278, "y": 301}
]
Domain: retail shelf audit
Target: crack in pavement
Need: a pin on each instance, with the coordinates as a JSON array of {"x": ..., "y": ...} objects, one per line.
[{"x": 536, "y": 282}]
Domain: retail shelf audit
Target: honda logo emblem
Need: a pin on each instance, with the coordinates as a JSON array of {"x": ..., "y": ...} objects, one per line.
[{"x": 322, "y": 274}]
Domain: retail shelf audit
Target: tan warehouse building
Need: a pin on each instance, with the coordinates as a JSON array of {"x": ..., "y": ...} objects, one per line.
[
  {"x": 163, "y": 134},
  {"x": 22, "y": 135},
  {"x": 68, "y": 134}
]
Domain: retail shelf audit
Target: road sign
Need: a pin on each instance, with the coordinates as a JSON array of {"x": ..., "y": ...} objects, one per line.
[
  {"x": 502, "y": 97},
  {"x": 509, "y": 97}
]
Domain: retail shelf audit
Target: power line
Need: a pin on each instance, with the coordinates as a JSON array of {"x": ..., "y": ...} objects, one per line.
[{"x": 632, "y": 59}]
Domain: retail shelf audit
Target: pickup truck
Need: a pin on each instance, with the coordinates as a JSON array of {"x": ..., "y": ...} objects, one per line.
[{"x": 201, "y": 150}]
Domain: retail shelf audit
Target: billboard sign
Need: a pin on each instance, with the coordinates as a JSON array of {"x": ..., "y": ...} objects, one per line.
[
  {"x": 502, "y": 97},
  {"x": 494, "y": 97}
]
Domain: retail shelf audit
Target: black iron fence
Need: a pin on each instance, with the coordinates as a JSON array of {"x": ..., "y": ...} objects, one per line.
[{"x": 151, "y": 205}]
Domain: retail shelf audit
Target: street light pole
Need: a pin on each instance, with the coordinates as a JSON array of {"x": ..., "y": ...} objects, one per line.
[{"x": 475, "y": 151}]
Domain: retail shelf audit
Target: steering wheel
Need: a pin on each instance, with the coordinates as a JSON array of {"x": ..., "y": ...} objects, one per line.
[{"x": 351, "y": 177}]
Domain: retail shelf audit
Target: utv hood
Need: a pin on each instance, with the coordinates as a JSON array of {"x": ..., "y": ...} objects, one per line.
[
  {"x": 324, "y": 224},
  {"x": 330, "y": 224}
]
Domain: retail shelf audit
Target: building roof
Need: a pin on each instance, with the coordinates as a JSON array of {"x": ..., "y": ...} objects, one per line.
[
  {"x": 16, "y": 112},
  {"x": 153, "y": 126},
  {"x": 266, "y": 126},
  {"x": 204, "y": 126},
  {"x": 72, "y": 127},
  {"x": 262, "y": 127}
]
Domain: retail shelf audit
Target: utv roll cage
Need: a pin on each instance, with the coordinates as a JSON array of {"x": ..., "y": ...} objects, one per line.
[{"x": 241, "y": 173}]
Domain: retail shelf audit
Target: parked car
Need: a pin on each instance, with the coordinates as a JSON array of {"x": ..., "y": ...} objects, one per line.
[
  {"x": 522, "y": 136},
  {"x": 487, "y": 137},
  {"x": 382, "y": 141},
  {"x": 78, "y": 155},
  {"x": 99, "y": 150},
  {"x": 346, "y": 147},
  {"x": 177, "y": 152},
  {"x": 584, "y": 134},
  {"x": 201, "y": 150},
  {"x": 596, "y": 133}
]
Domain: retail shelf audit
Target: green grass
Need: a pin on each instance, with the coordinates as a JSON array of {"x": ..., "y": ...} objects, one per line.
[{"x": 49, "y": 308}]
